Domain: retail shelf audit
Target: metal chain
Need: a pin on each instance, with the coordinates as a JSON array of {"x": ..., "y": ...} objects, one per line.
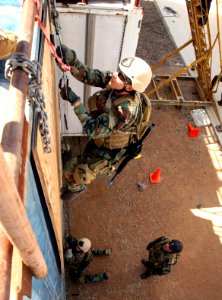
[
  {"x": 35, "y": 94},
  {"x": 55, "y": 16}
]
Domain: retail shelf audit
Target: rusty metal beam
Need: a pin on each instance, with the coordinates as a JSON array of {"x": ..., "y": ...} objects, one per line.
[
  {"x": 16, "y": 224},
  {"x": 13, "y": 131},
  {"x": 167, "y": 57},
  {"x": 218, "y": 31},
  {"x": 176, "y": 74},
  {"x": 184, "y": 103},
  {"x": 137, "y": 3},
  {"x": 5, "y": 265}
]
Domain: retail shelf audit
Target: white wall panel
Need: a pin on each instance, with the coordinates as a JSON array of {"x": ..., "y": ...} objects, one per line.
[
  {"x": 132, "y": 31},
  {"x": 107, "y": 43},
  {"x": 73, "y": 31}
]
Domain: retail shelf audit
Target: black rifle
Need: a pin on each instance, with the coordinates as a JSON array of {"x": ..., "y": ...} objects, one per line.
[{"x": 132, "y": 151}]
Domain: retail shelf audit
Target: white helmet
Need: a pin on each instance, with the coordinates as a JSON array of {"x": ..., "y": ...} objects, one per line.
[
  {"x": 84, "y": 244},
  {"x": 138, "y": 71}
]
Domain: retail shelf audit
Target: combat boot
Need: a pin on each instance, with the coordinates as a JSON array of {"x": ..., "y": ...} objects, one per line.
[
  {"x": 144, "y": 262},
  {"x": 96, "y": 277},
  {"x": 145, "y": 275},
  {"x": 101, "y": 252}
]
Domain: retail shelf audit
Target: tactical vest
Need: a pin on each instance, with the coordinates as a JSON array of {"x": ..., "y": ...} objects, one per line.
[
  {"x": 132, "y": 132},
  {"x": 160, "y": 258},
  {"x": 78, "y": 258}
]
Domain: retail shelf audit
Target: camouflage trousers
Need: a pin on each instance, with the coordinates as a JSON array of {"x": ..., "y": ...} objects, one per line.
[
  {"x": 81, "y": 277},
  {"x": 151, "y": 269},
  {"x": 78, "y": 274},
  {"x": 83, "y": 169}
]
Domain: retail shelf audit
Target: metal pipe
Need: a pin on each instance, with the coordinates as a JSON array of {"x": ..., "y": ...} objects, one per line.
[
  {"x": 16, "y": 224},
  {"x": 149, "y": 93},
  {"x": 5, "y": 265},
  {"x": 12, "y": 133},
  {"x": 137, "y": 3},
  {"x": 167, "y": 57},
  {"x": 218, "y": 31},
  {"x": 13, "y": 130}
]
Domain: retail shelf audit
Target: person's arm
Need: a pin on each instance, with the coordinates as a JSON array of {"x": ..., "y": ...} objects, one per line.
[
  {"x": 87, "y": 259},
  {"x": 82, "y": 72},
  {"x": 72, "y": 242},
  {"x": 105, "y": 123},
  {"x": 90, "y": 76}
]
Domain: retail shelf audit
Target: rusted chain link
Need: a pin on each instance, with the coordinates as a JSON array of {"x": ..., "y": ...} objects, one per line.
[{"x": 35, "y": 94}]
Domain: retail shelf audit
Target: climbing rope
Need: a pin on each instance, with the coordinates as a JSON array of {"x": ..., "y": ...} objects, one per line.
[
  {"x": 35, "y": 94},
  {"x": 51, "y": 46},
  {"x": 64, "y": 66}
]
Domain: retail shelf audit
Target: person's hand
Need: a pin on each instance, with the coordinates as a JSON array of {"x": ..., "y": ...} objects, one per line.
[
  {"x": 67, "y": 55},
  {"x": 68, "y": 95}
]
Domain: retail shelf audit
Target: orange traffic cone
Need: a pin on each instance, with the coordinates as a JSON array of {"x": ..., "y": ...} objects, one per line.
[
  {"x": 155, "y": 176},
  {"x": 193, "y": 132}
]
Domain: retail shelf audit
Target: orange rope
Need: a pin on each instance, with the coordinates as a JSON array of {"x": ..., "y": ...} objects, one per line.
[{"x": 51, "y": 46}]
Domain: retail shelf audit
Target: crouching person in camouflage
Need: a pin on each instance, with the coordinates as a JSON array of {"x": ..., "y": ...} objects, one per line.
[
  {"x": 118, "y": 115},
  {"x": 163, "y": 253},
  {"x": 78, "y": 255}
]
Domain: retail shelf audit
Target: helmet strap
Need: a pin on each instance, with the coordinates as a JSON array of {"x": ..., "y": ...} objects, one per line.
[{"x": 122, "y": 92}]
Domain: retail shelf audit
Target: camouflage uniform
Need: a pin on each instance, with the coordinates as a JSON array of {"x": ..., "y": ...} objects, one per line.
[
  {"x": 79, "y": 262},
  {"x": 110, "y": 115},
  {"x": 159, "y": 262}
]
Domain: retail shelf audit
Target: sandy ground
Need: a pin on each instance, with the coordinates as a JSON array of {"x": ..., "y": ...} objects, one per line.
[{"x": 186, "y": 205}]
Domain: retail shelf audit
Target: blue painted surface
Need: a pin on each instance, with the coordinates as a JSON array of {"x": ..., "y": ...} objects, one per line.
[
  {"x": 50, "y": 287},
  {"x": 10, "y": 14}
]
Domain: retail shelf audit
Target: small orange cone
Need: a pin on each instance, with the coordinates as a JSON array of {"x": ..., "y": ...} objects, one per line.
[
  {"x": 155, "y": 176},
  {"x": 193, "y": 132}
]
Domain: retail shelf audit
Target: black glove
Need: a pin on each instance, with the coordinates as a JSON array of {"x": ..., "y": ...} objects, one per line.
[
  {"x": 72, "y": 242},
  {"x": 68, "y": 95},
  {"x": 68, "y": 56}
]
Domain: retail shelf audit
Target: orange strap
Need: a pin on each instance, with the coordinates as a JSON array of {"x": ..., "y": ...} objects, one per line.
[{"x": 51, "y": 46}]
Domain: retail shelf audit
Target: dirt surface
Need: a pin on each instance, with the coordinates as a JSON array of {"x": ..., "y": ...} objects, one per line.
[{"x": 185, "y": 205}]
